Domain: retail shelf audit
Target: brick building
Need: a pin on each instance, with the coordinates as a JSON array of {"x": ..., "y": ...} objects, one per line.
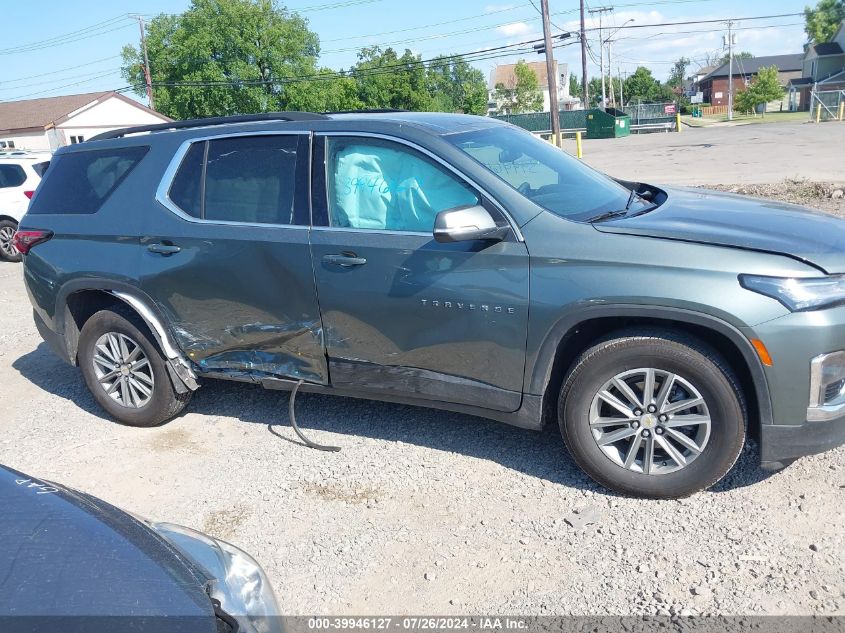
[{"x": 715, "y": 85}]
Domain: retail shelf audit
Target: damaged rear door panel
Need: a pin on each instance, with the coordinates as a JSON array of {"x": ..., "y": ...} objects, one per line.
[{"x": 227, "y": 256}]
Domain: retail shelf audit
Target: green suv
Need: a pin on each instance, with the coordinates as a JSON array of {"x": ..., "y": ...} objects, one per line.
[{"x": 448, "y": 261}]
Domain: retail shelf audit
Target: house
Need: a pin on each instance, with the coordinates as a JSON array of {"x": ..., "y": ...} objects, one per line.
[
  {"x": 823, "y": 69},
  {"x": 505, "y": 74},
  {"x": 49, "y": 123},
  {"x": 715, "y": 84},
  {"x": 692, "y": 83}
]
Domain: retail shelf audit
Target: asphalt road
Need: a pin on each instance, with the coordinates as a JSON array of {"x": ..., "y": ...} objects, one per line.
[{"x": 749, "y": 153}]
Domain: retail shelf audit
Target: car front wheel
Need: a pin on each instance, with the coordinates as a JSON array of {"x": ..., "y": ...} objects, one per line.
[
  {"x": 125, "y": 371},
  {"x": 8, "y": 252},
  {"x": 653, "y": 415}
]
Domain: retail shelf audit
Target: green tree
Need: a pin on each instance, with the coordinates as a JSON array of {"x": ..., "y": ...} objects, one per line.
[
  {"x": 386, "y": 80},
  {"x": 455, "y": 86},
  {"x": 764, "y": 87},
  {"x": 737, "y": 56},
  {"x": 523, "y": 96},
  {"x": 574, "y": 86},
  {"x": 641, "y": 86},
  {"x": 329, "y": 92},
  {"x": 678, "y": 74},
  {"x": 224, "y": 57},
  {"x": 821, "y": 22}
]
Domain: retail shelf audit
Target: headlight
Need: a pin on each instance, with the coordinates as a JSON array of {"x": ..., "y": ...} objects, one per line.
[
  {"x": 241, "y": 585},
  {"x": 799, "y": 293}
]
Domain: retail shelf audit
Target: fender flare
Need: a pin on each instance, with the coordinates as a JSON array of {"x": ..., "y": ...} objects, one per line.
[
  {"x": 541, "y": 372},
  {"x": 144, "y": 307}
]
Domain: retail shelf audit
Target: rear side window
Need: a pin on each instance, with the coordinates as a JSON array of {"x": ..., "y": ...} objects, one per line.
[
  {"x": 80, "y": 182},
  {"x": 186, "y": 189},
  {"x": 40, "y": 168},
  {"x": 248, "y": 179},
  {"x": 11, "y": 176}
]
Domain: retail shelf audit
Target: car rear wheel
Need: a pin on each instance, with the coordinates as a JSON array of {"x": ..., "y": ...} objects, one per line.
[
  {"x": 653, "y": 415},
  {"x": 8, "y": 252},
  {"x": 125, "y": 371}
]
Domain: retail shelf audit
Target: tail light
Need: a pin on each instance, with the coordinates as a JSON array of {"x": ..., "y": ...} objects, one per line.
[
  {"x": 24, "y": 240},
  {"x": 28, "y": 194}
]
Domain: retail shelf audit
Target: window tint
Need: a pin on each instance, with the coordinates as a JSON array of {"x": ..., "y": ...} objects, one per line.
[
  {"x": 80, "y": 182},
  {"x": 11, "y": 176},
  {"x": 185, "y": 191},
  {"x": 374, "y": 184},
  {"x": 251, "y": 179},
  {"x": 40, "y": 168}
]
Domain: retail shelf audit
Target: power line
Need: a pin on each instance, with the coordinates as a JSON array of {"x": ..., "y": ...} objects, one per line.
[
  {"x": 100, "y": 28},
  {"x": 77, "y": 83},
  {"x": 56, "y": 72}
]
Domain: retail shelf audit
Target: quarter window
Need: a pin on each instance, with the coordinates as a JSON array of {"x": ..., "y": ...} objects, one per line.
[
  {"x": 80, "y": 182},
  {"x": 11, "y": 176},
  {"x": 380, "y": 185},
  {"x": 248, "y": 179}
]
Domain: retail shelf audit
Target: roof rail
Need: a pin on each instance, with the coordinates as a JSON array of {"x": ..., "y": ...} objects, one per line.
[
  {"x": 368, "y": 111},
  {"x": 218, "y": 120}
]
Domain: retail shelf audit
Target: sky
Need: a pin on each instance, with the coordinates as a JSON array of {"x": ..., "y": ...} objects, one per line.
[{"x": 55, "y": 47}]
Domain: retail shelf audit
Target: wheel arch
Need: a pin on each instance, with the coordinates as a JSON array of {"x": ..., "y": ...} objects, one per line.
[
  {"x": 575, "y": 333},
  {"x": 8, "y": 218},
  {"x": 79, "y": 300}
]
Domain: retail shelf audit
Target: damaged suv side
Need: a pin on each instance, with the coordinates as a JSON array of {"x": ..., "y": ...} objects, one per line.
[{"x": 447, "y": 261}]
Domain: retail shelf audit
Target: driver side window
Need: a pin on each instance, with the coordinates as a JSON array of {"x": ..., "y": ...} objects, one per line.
[{"x": 381, "y": 185}]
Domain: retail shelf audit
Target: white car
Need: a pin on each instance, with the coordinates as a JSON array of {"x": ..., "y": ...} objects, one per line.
[{"x": 20, "y": 173}]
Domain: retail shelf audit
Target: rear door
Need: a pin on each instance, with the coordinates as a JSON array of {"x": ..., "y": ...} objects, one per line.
[
  {"x": 403, "y": 314},
  {"x": 227, "y": 258}
]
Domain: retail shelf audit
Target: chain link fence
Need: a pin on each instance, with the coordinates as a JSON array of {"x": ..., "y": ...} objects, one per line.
[{"x": 645, "y": 117}]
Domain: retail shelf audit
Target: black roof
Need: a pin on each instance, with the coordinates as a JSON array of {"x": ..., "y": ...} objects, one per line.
[
  {"x": 435, "y": 122},
  {"x": 826, "y": 48},
  {"x": 751, "y": 66}
]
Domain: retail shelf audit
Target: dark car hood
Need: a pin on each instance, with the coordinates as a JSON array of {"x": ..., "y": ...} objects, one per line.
[
  {"x": 66, "y": 556},
  {"x": 724, "y": 219}
]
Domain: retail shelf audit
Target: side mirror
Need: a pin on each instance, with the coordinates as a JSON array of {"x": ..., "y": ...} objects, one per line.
[{"x": 466, "y": 224}]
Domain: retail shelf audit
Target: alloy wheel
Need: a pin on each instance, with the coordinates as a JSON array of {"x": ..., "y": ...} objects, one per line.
[
  {"x": 7, "y": 234},
  {"x": 650, "y": 421},
  {"x": 123, "y": 370}
]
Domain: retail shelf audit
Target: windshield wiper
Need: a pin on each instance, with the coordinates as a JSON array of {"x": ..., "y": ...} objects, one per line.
[
  {"x": 632, "y": 195},
  {"x": 607, "y": 215}
]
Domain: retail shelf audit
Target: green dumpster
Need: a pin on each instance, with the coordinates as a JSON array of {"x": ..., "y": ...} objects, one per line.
[{"x": 610, "y": 123}]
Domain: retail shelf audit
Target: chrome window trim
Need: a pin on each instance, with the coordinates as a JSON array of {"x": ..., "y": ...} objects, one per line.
[
  {"x": 350, "y": 229},
  {"x": 387, "y": 137},
  {"x": 163, "y": 190}
]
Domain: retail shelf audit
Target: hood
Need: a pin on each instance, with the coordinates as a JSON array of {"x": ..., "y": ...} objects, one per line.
[
  {"x": 64, "y": 554},
  {"x": 723, "y": 219}
]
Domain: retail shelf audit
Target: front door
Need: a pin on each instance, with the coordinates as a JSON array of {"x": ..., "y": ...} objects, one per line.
[
  {"x": 227, "y": 258},
  {"x": 404, "y": 314}
]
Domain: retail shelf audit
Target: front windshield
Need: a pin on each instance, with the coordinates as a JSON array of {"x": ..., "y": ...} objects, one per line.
[{"x": 543, "y": 173}]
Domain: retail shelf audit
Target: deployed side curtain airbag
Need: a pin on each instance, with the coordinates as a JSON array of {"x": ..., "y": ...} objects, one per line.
[{"x": 378, "y": 187}]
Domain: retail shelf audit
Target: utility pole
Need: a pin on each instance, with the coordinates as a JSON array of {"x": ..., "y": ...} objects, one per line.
[
  {"x": 600, "y": 11},
  {"x": 585, "y": 86},
  {"x": 147, "y": 77},
  {"x": 621, "y": 93},
  {"x": 551, "y": 73},
  {"x": 610, "y": 74},
  {"x": 730, "y": 71}
]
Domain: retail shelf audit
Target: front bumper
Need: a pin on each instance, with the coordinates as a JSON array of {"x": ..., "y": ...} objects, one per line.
[
  {"x": 801, "y": 424},
  {"x": 780, "y": 445}
]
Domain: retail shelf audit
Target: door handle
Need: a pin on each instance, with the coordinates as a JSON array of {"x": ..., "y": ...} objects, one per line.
[
  {"x": 163, "y": 249},
  {"x": 345, "y": 260}
]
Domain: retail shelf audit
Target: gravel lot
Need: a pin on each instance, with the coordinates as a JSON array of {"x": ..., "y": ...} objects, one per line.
[{"x": 426, "y": 512}]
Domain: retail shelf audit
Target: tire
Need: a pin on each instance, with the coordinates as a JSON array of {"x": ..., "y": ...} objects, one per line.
[
  {"x": 107, "y": 335},
  {"x": 8, "y": 253},
  {"x": 615, "y": 453}
]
